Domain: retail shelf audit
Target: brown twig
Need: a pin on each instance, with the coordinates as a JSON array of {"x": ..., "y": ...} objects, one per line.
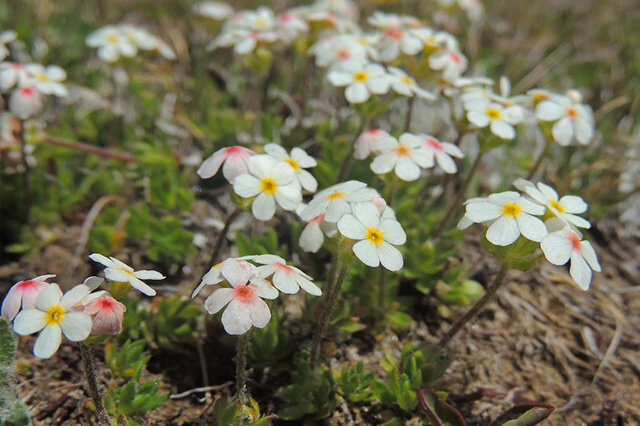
[{"x": 84, "y": 147}]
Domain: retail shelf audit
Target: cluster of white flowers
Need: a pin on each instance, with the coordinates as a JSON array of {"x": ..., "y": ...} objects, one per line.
[
  {"x": 511, "y": 214},
  {"x": 28, "y": 84},
  {"x": 114, "y": 41},
  {"x": 36, "y": 305},
  {"x": 243, "y": 284}
]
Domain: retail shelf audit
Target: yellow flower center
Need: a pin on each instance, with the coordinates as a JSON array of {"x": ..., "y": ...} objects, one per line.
[
  {"x": 539, "y": 97},
  {"x": 493, "y": 113},
  {"x": 402, "y": 150},
  {"x": 293, "y": 163},
  {"x": 54, "y": 315},
  {"x": 361, "y": 76},
  {"x": 112, "y": 38},
  {"x": 572, "y": 113},
  {"x": 406, "y": 80},
  {"x": 42, "y": 77},
  {"x": 268, "y": 185},
  {"x": 511, "y": 209},
  {"x": 556, "y": 205},
  {"x": 375, "y": 235},
  {"x": 335, "y": 195},
  {"x": 261, "y": 23}
]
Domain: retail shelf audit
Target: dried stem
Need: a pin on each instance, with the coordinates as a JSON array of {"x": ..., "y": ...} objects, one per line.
[
  {"x": 81, "y": 146},
  {"x": 326, "y": 314},
  {"x": 476, "y": 308},
  {"x": 407, "y": 118},
  {"x": 222, "y": 235},
  {"x": 26, "y": 172},
  {"x": 90, "y": 372},
  {"x": 538, "y": 163},
  {"x": 458, "y": 199}
]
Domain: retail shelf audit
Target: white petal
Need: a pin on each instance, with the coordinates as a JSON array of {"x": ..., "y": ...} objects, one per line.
[
  {"x": 589, "y": 255},
  {"x": 51, "y": 295},
  {"x": 97, "y": 257},
  {"x": 74, "y": 296},
  {"x": 235, "y": 318},
  {"x": 390, "y": 257},
  {"x": 368, "y": 214},
  {"x": 531, "y": 227},
  {"x": 556, "y": 248},
  {"x": 407, "y": 170},
  {"x": 367, "y": 253},
  {"x": 578, "y": 221},
  {"x": 580, "y": 271},
  {"x": 76, "y": 326},
  {"x": 218, "y": 299},
  {"x": 264, "y": 289},
  {"x": 259, "y": 313},
  {"x": 446, "y": 163},
  {"x": 393, "y": 232},
  {"x": 246, "y": 186},
  {"x": 117, "y": 275},
  {"x": 562, "y": 131},
  {"x": 211, "y": 165},
  {"x": 289, "y": 196},
  {"x": 482, "y": 211},
  {"x": 263, "y": 207},
  {"x": 573, "y": 204},
  {"x": 285, "y": 282},
  {"x": 141, "y": 287},
  {"x": 584, "y": 131},
  {"x": 502, "y": 129},
  {"x": 503, "y": 231},
  {"x": 48, "y": 342},
  {"x": 478, "y": 118},
  {"x": 307, "y": 180},
  {"x": 549, "y": 111},
  {"x": 383, "y": 163},
  {"x": 340, "y": 78},
  {"x": 311, "y": 238},
  {"x": 149, "y": 275},
  {"x": 356, "y": 93},
  {"x": 309, "y": 286},
  {"x": 29, "y": 321},
  {"x": 351, "y": 227}
]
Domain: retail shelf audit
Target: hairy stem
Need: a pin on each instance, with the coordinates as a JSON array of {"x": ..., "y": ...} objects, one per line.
[
  {"x": 459, "y": 196},
  {"x": 326, "y": 314},
  {"x": 90, "y": 372},
  {"x": 222, "y": 235},
  {"x": 241, "y": 367},
  {"x": 489, "y": 293},
  {"x": 26, "y": 174}
]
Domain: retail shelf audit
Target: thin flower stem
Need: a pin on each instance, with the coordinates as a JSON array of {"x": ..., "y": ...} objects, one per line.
[
  {"x": 222, "y": 235},
  {"x": 90, "y": 372},
  {"x": 489, "y": 293},
  {"x": 80, "y": 146},
  {"x": 26, "y": 174},
  {"x": 344, "y": 169},
  {"x": 325, "y": 315},
  {"x": 241, "y": 367},
  {"x": 458, "y": 199},
  {"x": 382, "y": 284},
  {"x": 407, "y": 118},
  {"x": 538, "y": 163}
]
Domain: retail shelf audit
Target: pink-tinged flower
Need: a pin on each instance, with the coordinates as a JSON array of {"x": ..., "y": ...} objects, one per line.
[
  {"x": 53, "y": 316},
  {"x": 366, "y": 141},
  {"x": 25, "y": 102},
  {"x": 287, "y": 279},
  {"x": 442, "y": 152},
  {"x": 106, "y": 311},
  {"x": 235, "y": 159},
  {"x": 12, "y": 74},
  {"x": 23, "y": 295},
  {"x": 245, "y": 307}
]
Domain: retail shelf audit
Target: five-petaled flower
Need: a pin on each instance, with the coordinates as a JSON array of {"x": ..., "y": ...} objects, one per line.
[{"x": 121, "y": 272}]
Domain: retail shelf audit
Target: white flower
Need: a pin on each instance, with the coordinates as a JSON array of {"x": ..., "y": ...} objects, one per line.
[
  {"x": 5, "y": 38},
  {"x": 270, "y": 181},
  {"x": 23, "y": 294},
  {"x": 12, "y": 74},
  {"x": 338, "y": 49},
  {"x": 403, "y": 84},
  {"x": 387, "y": 21},
  {"x": 572, "y": 120},
  {"x": 111, "y": 43},
  {"x": 299, "y": 160},
  {"x": 501, "y": 120},
  {"x": 366, "y": 141},
  {"x": 25, "y": 102},
  {"x": 47, "y": 80},
  {"x": 243, "y": 40},
  {"x": 245, "y": 307},
  {"x": 565, "y": 208},
  {"x": 442, "y": 152},
  {"x": 561, "y": 246},
  {"x": 212, "y": 277},
  {"x": 121, "y": 272},
  {"x": 235, "y": 159},
  {"x": 362, "y": 79},
  {"x": 396, "y": 41},
  {"x": 213, "y": 9},
  {"x": 289, "y": 26},
  {"x": 511, "y": 215},
  {"x": 139, "y": 37},
  {"x": 405, "y": 157},
  {"x": 53, "y": 315},
  {"x": 377, "y": 236},
  {"x": 451, "y": 63},
  {"x": 312, "y": 236},
  {"x": 334, "y": 202},
  {"x": 287, "y": 279}
]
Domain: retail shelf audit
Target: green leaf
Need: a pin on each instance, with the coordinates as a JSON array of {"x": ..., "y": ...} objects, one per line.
[{"x": 524, "y": 414}]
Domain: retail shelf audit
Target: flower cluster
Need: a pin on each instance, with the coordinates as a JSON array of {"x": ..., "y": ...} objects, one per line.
[
  {"x": 28, "y": 84},
  {"x": 510, "y": 214},
  {"x": 36, "y": 305},
  {"x": 114, "y": 41},
  {"x": 243, "y": 284}
]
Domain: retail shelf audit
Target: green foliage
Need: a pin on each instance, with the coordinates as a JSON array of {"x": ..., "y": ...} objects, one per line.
[
  {"x": 271, "y": 343},
  {"x": 266, "y": 243},
  {"x": 228, "y": 412},
  {"x": 127, "y": 359},
  {"x": 439, "y": 412},
  {"x": 12, "y": 411},
  {"x": 311, "y": 393},
  {"x": 519, "y": 255},
  {"x": 134, "y": 397},
  {"x": 355, "y": 384}
]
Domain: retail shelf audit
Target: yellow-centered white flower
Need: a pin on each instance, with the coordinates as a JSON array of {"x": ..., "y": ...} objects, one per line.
[
  {"x": 573, "y": 120},
  {"x": 510, "y": 215},
  {"x": 361, "y": 79},
  {"x": 53, "y": 315},
  {"x": 299, "y": 160},
  {"x": 482, "y": 113},
  {"x": 405, "y": 156},
  {"x": 269, "y": 181},
  {"x": 376, "y": 236},
  {"x": 121, "y": 272}
]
